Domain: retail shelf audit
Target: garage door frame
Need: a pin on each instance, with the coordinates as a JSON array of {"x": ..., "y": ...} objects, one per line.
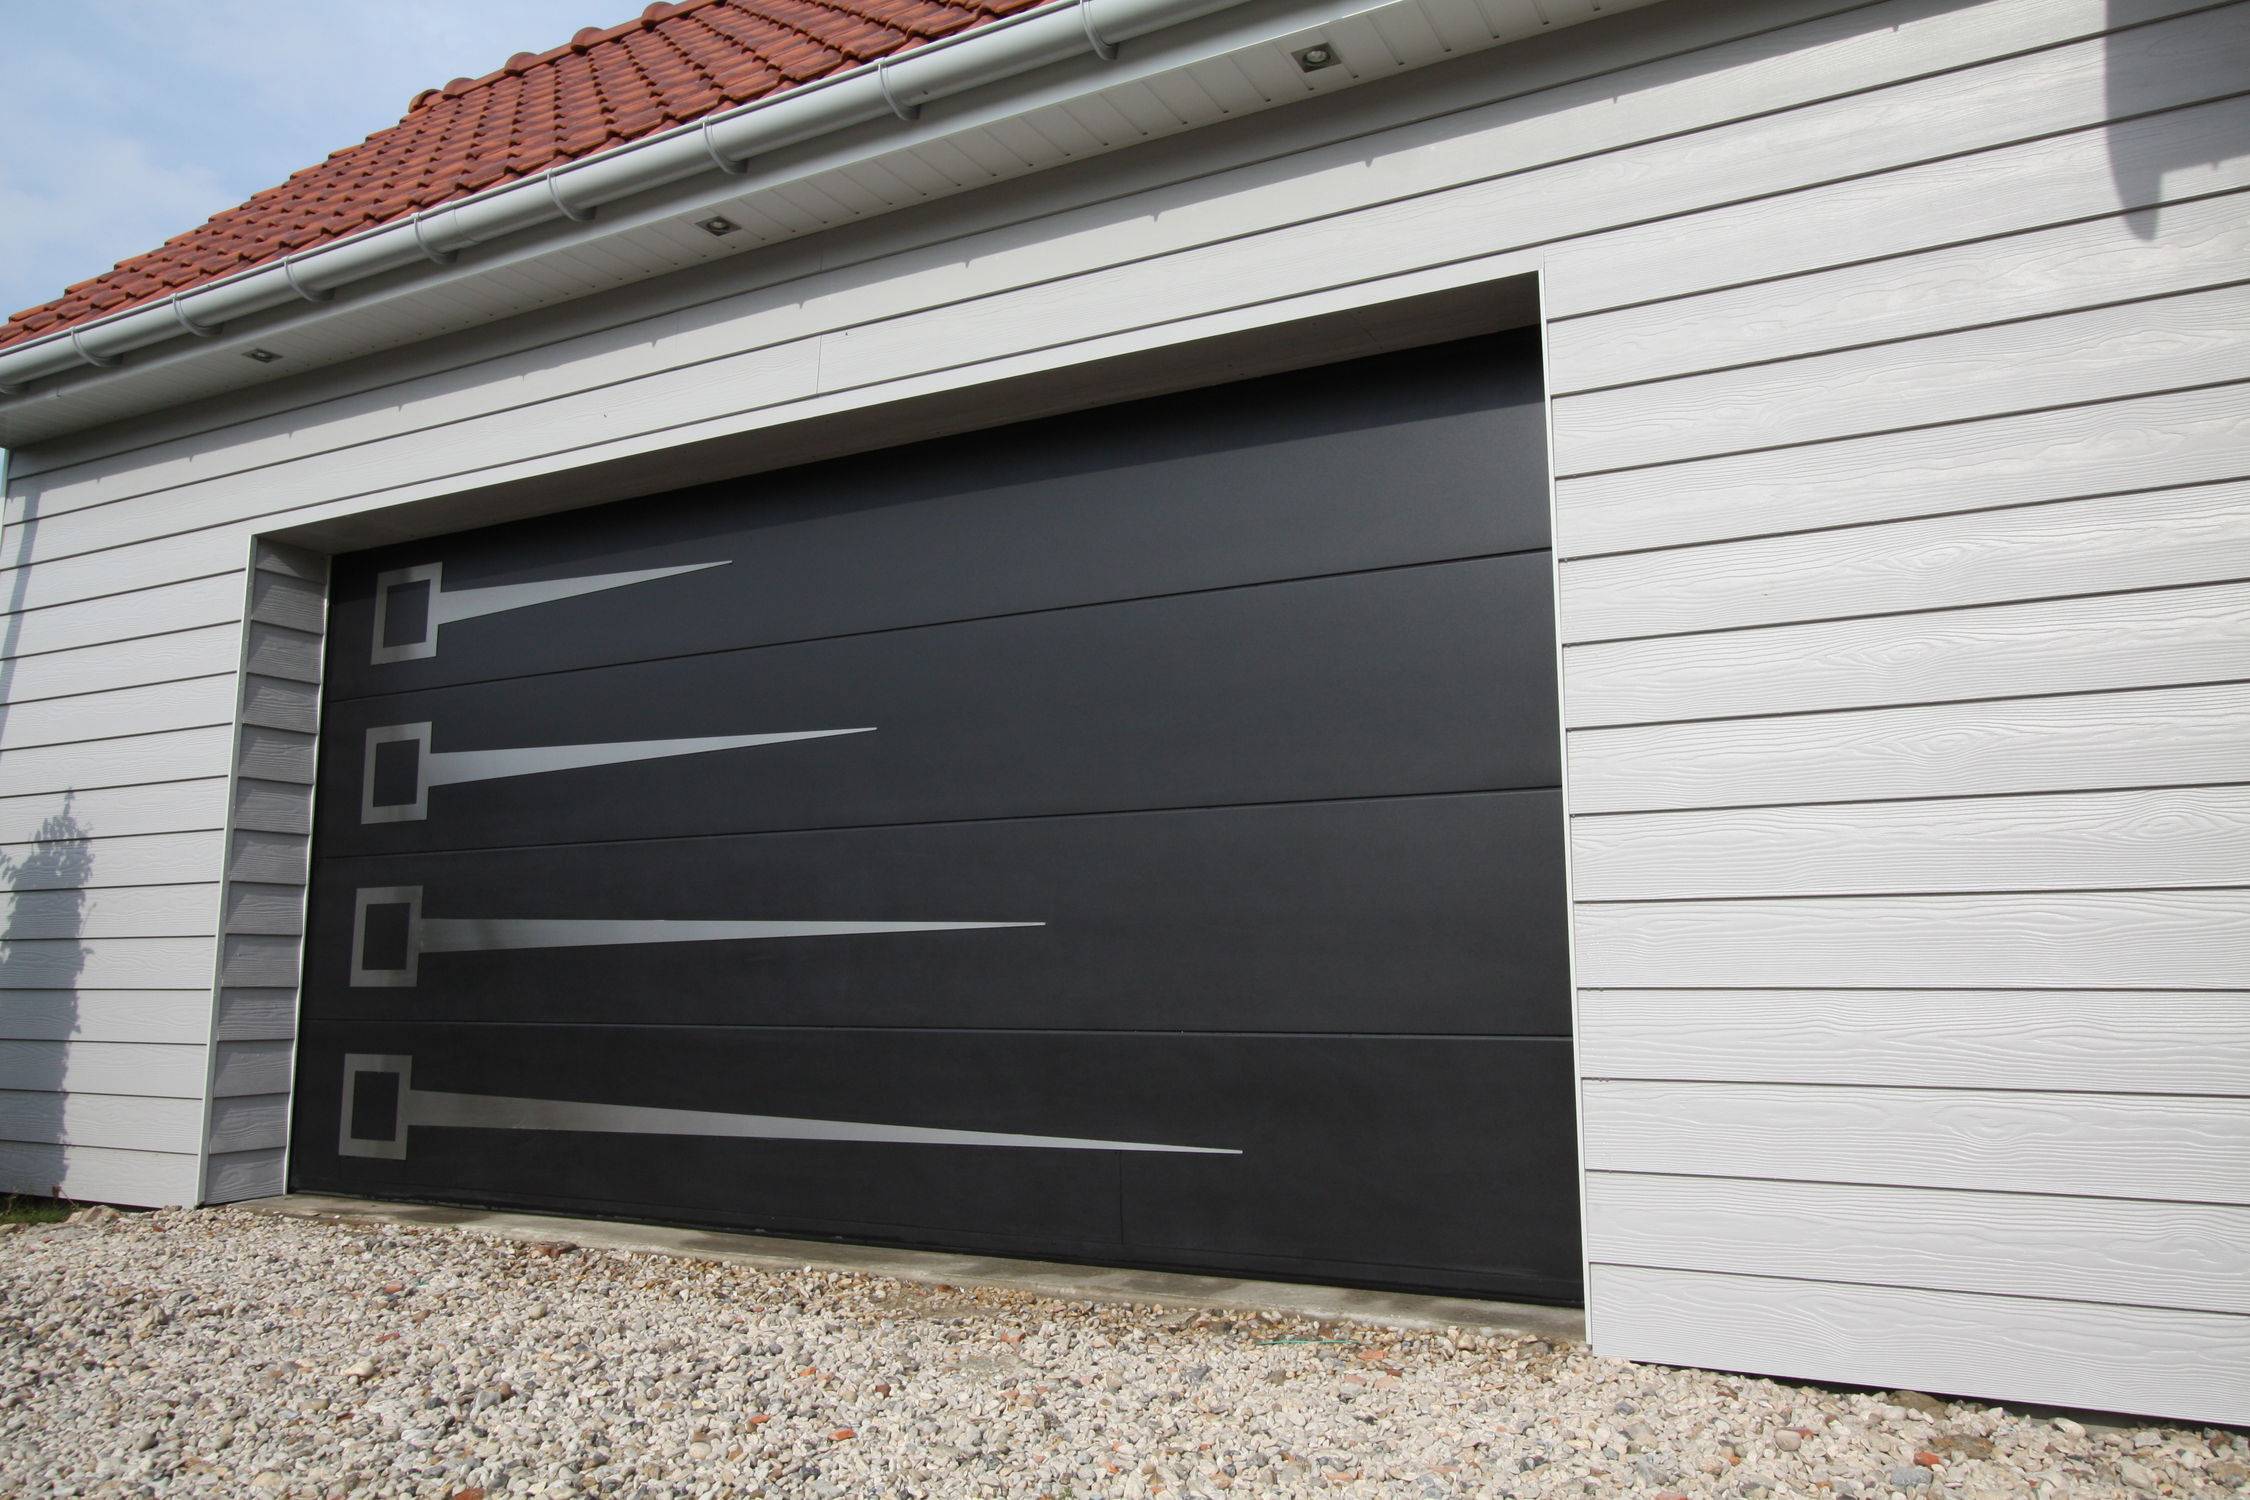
[{"x": 1484, "y": 296}]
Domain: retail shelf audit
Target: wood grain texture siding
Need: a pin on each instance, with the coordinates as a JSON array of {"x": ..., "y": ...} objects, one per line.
[
  {"x": 145, "y": 1068},
  {"x": 108, "y": 964},
  {"x": 2167, "y": 736},
  {"x": 249, "y": 1122},
  {"x": 2138, "y": 640},
  {"x": 98, "y": 1174},
  {"x": 249, "y": 1067},
  {"x": 2150, "y": 442},
  {"x": 2087, "y": 263},
  {"x": 130, "y": 911},
  {"x": 198, "y": 602},
  {"x": 124, "y": 1121},
  {"x": 139, "y": 762},
  {"x": 2194, "y": 1365},
  {"x": 2156, "y": 540},
  {"x": 2107, "y": 353},
  {"x": 2096, "y": 1145},
  {"x": 251, "y": 1015},
  {"x": 87, "y": 863},
  {"x": 2047, "y": 940},
  {"x": 2096, "y": 1041},
  {"x": 2178, "y": 1255},
  {"x": 197, "y": 702},
  {"x": 174, "y": 1016},
  {"x": 234, "y": 1176},
  {"x": 2120, "y": 164},
  {"x": 2175, "y": 837}
]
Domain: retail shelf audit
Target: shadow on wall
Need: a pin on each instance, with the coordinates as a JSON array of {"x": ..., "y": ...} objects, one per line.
[
  {"x": 40, "y": 953},
  {"x": 40, "y": 961},
  {"x": 2137, "y": 166}
]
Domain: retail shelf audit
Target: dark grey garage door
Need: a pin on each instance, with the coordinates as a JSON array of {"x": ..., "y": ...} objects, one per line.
[{"x": 1129, "y": 837}]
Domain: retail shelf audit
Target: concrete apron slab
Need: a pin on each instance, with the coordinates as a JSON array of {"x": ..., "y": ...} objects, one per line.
[{"x": 938, "y": 1267}]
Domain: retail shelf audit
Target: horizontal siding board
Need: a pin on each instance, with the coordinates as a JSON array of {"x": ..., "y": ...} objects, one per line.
[
  {"x": 275, "y": 858},
  {"x": 132, "y": 911},
  {"x": 196, "y": 807},
  {"x": 2172, "y": 837},
  {"x": 253, "y": 1015},
  {"x": 87, "y": 863},
  {"x": 250, "y": 1067},
  {"x": 275, "y": 754},
  {"x": 194, "y": 604},
  {"x": 2188, "y": 1150},
  {"x": 249, "y": 1122},
  {"x": 2174, "y": 1255},
  {"x": 2161, "y": 539},
  {"x": 258, "y": 962},
  {"x": 296, "y": 603},
  {"x": 144, "y": 1068},
  {"x": 176, "y": 1016},
  {"x": 2100, "y": 1041},
  {"x": 97, "y": 1174},
  {"x": 2192, "y": 1365},
  {"x": 280, "y": 703},
  {"x": 169, "y": 963},
  {"x": 2088, "y": 263},
  {"x": 280, "y": 651},
  {"x": 194, "y": 703},
  {"x": 2150, "y": 442},
  {"x": 272, "y": 806},
  {"x": 2165, "y": 736},
  {"x": 2130, "y": 163},
  {"x": 133, "y": 761},
  {"x": 2197, "y": 338},
  {"x": 233, "y": 1176},
  {"x": 2139, "y": 640},
  {"x": 259, "y": 907},
  {"x": 125, "y": 578},
  {"x": 2058, "y": 940},
  {"x": 123, "y": 1121},
  {"x": 131, "y": 663}
]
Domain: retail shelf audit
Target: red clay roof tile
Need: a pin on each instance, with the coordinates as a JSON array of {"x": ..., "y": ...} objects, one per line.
[{"x": 671, "y": 64}]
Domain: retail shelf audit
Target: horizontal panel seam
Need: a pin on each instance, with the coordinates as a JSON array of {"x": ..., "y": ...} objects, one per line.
[
  {"x": 325, "y": 859},
  {"x": 1949, "y": 1291},
  {"x": 2223, "y": 283},
  {"x": 1896, "y": 704},
  {"x": 1861, "y": 435},
  {"x": 1931, "y": 610},
  {"x": 2118, "y": 790},
  {"x": 961, "y": 620}
]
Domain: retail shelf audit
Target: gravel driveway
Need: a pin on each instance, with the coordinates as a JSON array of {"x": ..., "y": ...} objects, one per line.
[{"x": 219, "y": 1351}]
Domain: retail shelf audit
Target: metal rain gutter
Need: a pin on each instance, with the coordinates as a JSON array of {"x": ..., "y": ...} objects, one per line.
[{"x": 891, "y": 87}]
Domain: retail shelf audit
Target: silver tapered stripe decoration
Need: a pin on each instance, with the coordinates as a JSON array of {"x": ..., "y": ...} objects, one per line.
[
  {"x": 426, "y": 768},
  {"x": 501, "y": 934},
  {"x": 390, "y": 935},
  {"x": 452, "y": 767},
  {"x": 410, "y": 639},
  {"x": 438, "y": 1109}
]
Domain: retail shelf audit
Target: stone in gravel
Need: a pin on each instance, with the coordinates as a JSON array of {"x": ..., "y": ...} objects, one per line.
[
  {"x": 1788, "y": 1440},
  {"x": 1917, "y": 1401},
  {"x": 2136, "y": 1474},
  {"x": 1909, "y": 1477}
]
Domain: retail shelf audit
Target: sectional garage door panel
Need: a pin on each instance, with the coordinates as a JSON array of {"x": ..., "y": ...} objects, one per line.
[
  {"x": 1422, "y": 914},
  {"x": 1133, "y": 837},
  {"x": 1379, "y": 463},
  {"x": 1401, "y": 681},
  {"x": 1320, "y": 1187}
]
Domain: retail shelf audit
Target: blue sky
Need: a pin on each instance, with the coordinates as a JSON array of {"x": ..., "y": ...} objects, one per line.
[{"x": 123, "y": 122}]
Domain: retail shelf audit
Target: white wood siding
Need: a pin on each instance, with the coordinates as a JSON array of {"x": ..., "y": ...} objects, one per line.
[{"x": 1902, "y": 431}]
